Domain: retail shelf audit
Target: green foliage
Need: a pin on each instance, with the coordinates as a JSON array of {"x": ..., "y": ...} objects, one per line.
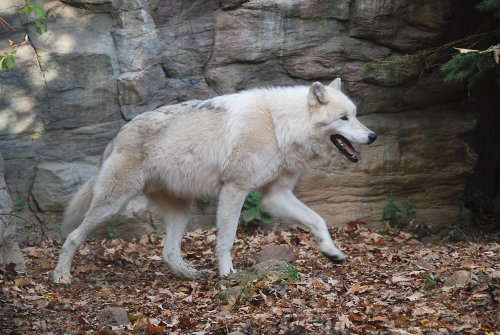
[
  {"x": 430, "y": 282},
  {"x": 112, "y": 232},
  {"x": 291, "y": 273},
  {"x": 490, "y": 6},
  {"x": 98, "y": 285},
  {"x": 470, "y": 66},
  {"x": 35, "y": 12},
  {"x": 252, "y": 211},
  {"x": 7, "y": 60},
  {"x": 156, "y": 236},
  {"x": 482, "y": 207},
  {"x": 19, "y": 204},
  {"x": 399, "y": 215},
  {"x": 399, "y": 69},
  {"x": 38, "y": 17},
  {"x": 454, "y": 235}
]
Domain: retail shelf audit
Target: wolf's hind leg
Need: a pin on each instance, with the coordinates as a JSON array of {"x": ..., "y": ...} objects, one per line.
[
  {"x": 112, "y": 191},
  {"x": 175, "y": 215},
  {"x": 282, "y": 203}
]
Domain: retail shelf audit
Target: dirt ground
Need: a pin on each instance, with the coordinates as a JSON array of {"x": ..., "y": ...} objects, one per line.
[{"x": 392, "y": 284}]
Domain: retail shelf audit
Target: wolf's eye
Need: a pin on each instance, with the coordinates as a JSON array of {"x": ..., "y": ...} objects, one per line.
[{"x": 344, "y": 118}]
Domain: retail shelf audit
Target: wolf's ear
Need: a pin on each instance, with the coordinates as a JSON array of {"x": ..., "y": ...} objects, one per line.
[
  {"x": 336, "y": 84},
  {"x": 317, "y": 94}
]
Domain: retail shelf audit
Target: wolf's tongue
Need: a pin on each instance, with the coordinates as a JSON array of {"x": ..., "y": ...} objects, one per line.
[{"x": 352, "y": 152}]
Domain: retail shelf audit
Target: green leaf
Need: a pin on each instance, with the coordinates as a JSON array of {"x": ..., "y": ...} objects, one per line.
[
  {"x": 19, "y": 204},
  {"x": 266, "y": 218},
  {"x": 39, "y": 11},
  {"x": 7, "y": 62},
  {"x": 26, "y": 10},
  {"x": 40, "y": 25},
  {"x": 250, "y": 214}
]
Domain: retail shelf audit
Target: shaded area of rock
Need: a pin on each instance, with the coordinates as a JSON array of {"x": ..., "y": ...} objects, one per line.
[
  {"x": 422, "y": 263},
  {"x": 9, "y": 248},
  {"x": 55, "y": 182}
]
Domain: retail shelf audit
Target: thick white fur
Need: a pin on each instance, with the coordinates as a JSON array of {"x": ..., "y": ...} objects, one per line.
[{"x": 222, "y": 147}]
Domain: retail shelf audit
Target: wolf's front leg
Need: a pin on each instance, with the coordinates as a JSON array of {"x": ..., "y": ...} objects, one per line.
[
  {"x": 282, "y": 203},
  {"x": 231, "y": 200}
]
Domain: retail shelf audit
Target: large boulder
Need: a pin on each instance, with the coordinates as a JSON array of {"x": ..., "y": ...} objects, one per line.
[
  {"x": 55, "y": 183},
  {"x": 105, "y": 61}
]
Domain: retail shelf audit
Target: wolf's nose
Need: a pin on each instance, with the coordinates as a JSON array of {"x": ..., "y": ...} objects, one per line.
[{"x": 371, "y": 138}]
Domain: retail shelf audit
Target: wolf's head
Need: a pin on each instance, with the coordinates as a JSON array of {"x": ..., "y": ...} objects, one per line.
[{"x": 334, "y": 120}]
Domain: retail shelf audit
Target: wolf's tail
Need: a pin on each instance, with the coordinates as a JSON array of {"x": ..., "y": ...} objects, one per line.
[{"x": 78, "y": 207}]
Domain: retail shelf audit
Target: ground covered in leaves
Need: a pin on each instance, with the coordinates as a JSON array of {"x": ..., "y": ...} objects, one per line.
[{"x": 392, "y": 284}]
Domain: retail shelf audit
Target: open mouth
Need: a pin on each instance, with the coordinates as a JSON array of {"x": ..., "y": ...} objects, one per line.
[{"x": 345, "y": 147}]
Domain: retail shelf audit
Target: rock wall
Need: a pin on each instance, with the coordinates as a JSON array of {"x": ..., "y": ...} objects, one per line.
[
  {"x": 102, "y": 62},
  {"x": 9, "y": 248}
]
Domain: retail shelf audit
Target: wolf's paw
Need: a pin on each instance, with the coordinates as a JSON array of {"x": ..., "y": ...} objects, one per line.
[
  {"x": 61, "y": 278},
  {"x": 224, "y": 272},
  {"x": 336, "y": 258},
  {"x": 188, "y": 272}
]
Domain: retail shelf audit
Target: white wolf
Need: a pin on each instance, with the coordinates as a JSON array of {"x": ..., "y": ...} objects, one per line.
[{"x": 225, "y": 147}]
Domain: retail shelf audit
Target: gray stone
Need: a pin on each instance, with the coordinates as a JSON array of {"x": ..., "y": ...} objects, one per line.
[
  {"x": 9, "y": 247},
  {"x": 231, "y": 4},
  {"x": 460, "y": 278},
  {"x": 98, "y": 6},
  {"x": 188, "y": 45},
  {"x": 494, "y": 276},
  {"x": 239, "y": 76},
  {"x": 328, "y": 59},
  {"x": 55, "y": 183},
  {"x": 273, "y": 270},
  {"x": 278, "y": 252},
  {"x": 304, "y": 9},
  {"x": 131, "y": 14},
  {"x": 22, "y": 96},
  {"x": 175, "y": 90},
  {"x": 81, "y": 107},
  {"x": 135, "y": 220},
  {"x": 113, "y": 316},
  {"x": 78, "y": 143},
  {"x": 137, "y": 87},
  {"x": 66, "y": 39},
  {"x": 137, "y": 48},
  {"x": 406, "y": 25},
  {"x": 258, "y": 36}
]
